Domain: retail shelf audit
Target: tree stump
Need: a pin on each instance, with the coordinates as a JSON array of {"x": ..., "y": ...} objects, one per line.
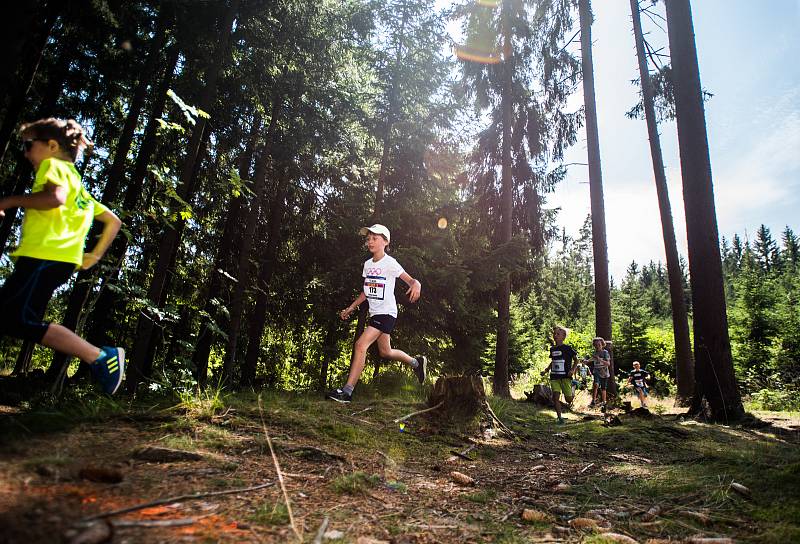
[
  {"x": 462, "y": 397},
  {"x": 541, "y": 395}
]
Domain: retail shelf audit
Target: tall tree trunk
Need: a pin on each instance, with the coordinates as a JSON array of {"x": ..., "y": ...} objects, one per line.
[
  {"x": 100, "y": 323},
  {"x": 500, "y": 383},
  {"x": 246, "y": 243},
  {"x": 684, "y": 368},
  {"x": 714, "y": 372},
  {"x": 602, "y": 308},
  {"x": 117, "y": 170},
  {"x": 229, "y": 239},
  {"x": 170, "y": 242},
  {"x": 268, "y": 262}
]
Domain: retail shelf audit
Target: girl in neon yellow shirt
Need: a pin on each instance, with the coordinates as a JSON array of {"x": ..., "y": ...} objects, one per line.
[{"x": 58, "y": 214}]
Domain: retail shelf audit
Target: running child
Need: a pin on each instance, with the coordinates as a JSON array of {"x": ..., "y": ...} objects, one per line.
[
  {"x": 380, "y": 272},
  {"x": 601, "y": 370},
  {"x": 58, "y": 214},
  {"x": 638, "y": 379},
  {"x": 563, "y": 361}
]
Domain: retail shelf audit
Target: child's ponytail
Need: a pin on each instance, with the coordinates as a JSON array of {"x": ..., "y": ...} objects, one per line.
[{"x": 69, "y": 134}]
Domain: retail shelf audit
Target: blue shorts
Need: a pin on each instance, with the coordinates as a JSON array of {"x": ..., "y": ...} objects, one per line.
[
  {"x": 602, "y": 383},
  {"x": 642, "y": 389},
  {"x": 383, "y": 322}
]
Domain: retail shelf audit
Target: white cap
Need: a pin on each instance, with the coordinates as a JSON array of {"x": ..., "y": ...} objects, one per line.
[{"x": 375, "y": 229}]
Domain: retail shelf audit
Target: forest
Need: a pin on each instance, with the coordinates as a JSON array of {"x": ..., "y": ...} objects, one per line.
[{"x": 245, "y": 143}]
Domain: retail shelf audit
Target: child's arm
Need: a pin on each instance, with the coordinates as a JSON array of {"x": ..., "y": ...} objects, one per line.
[
  {"x": 111, "y": 225},
  {"x": 547, "y": 368},
  {"x": 52, "y": 196},
  {"x": 575, "y": 364},
  {"x": 414, "y": 287},
  {"x": 344, "y": 314}
]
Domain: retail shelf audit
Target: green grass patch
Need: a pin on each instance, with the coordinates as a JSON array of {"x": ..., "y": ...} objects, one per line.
[
  {"x": 356, "y": 483},
  {"x": 481, "y": 497},
  {"x": 270, "y": 514}
]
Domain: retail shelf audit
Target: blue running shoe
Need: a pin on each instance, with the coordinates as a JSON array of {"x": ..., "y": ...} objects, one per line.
[{"x": 109, "y": 368}]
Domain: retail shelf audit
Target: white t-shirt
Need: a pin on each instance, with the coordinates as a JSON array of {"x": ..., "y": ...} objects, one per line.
[{"x": 379, "y": 279}]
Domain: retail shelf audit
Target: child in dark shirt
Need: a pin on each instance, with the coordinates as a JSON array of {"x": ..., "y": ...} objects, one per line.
[
  {"x": 563, "y": 360},
  {"x": 638, "y": 379}
]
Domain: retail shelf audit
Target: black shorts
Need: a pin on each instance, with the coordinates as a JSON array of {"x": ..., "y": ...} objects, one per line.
[
  {"x": 382, "y": 322},
  {"x": 25, "y": 295}
]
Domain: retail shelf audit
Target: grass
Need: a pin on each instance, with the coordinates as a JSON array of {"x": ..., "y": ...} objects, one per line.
[
  {"x": 356, "y": 483},
  {"x": 270, "y": 514}
]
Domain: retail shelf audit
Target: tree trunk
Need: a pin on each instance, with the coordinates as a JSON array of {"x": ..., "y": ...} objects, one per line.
[
  {"x": 714, "y": 372},
  {"x": 229, "y": 239},
  {"x": 602, "y": 308},
  {"x": 500, "y": 383},
  {"x": 147, "y": 76},
  {"x": 170, "y": 241},
  {"x": 107, "y": 300},
  {"x": 246, "y": 243},
  {"x": 684, "y": 368},
  {"x": 268, "y": 262}
]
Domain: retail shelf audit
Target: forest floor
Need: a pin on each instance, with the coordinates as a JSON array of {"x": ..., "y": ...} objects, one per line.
[{"x": 353, "y": 475}]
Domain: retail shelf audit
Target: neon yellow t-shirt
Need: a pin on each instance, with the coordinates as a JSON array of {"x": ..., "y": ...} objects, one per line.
[{"x": 59, "y": 234}]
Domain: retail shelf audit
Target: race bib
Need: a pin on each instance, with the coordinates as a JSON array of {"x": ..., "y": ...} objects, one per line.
[
  {"x": 558, "y": 367},
  {"x": 639, "y": 383},
  {"x": 374, "y": 288}
]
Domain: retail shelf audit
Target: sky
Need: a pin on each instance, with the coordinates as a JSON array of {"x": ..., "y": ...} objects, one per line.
[{"x": 748, "y": 55}]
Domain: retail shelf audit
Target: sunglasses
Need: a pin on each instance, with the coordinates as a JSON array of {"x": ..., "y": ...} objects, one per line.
[{"x": 27, "y": 145}]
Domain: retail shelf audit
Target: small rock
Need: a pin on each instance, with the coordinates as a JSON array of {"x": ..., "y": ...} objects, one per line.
[
  {"x": 622, "y": 515},
  {"x": 659, "y": 541},
  {"x": 652, "y": 513},
  {"x": 562, "y": 488},
  {"x": 157, "y": 454},
  {"x": 563, "y": 509},
  {"x": 698, "y": 516},
  {"x": 558, "y": 530},
  {"x": 621, "y": 539},
  {"x": 461, "y": 478},
  {"x": 94, "y": 533},
  {"x": 333, "y": 534},
  {"x": 583, "y": 524},
  {"x": 740, "y": 489},
  {"x": 369, "y": 540},
  {"x": 538, "y": 468},
  {"x": 528, "y": 514}
]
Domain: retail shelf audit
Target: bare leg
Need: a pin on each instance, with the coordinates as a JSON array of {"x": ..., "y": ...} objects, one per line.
[
  {"x": 557, "y": 403},
  {"x": 64, "y": 340},
  {"x": 363, "y": 343},
  {"x": 594, "y": 393},
  {"x": 385, "y": 350}
]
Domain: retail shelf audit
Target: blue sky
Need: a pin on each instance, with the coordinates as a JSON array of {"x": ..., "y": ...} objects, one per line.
[{"x": 748, "y": 54}]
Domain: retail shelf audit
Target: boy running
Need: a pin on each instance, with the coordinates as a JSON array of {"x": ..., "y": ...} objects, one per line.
[
  {"x": 380, "y": 272},
  {"x": 638, "y": 379},
  {"x": 563, "y": 360},
  {"x": 58, "y": 214}
]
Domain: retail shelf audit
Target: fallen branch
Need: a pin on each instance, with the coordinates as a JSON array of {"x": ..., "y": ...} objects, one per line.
[
  {"x": 587, "y": 467},
  {"x": 179, "y": 498},
  {"x": 412, "y": 414},
  {"x": 462, "y": 454},
  {"x": 367, "y": 409},
  {"x": 280, "y": 474},
  {"x": 502, "y": 425},
  {"x": 321, "y": 531},
  {"x": 180, "y": 522}
]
